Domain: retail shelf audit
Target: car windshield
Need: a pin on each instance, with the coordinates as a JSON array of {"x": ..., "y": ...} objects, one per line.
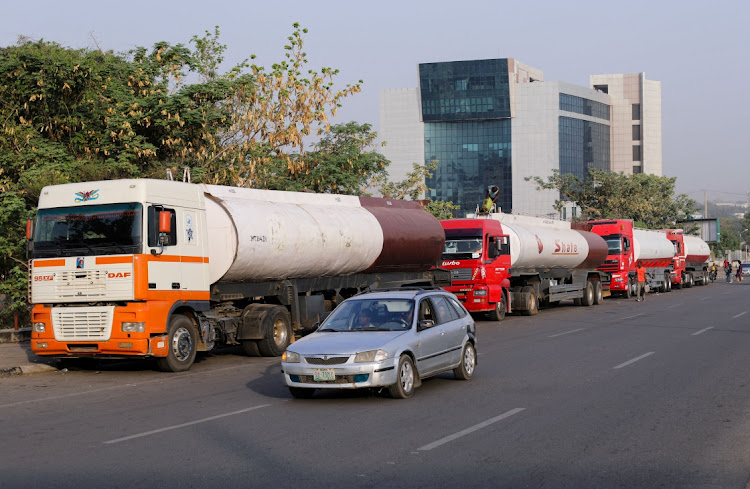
[
  {"x": 371, "y": 315},
  {"x": 107, "y": 229}
]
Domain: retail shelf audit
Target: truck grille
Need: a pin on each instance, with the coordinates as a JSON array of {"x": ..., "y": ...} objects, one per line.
[
  {"x": 82, "y": 323},
  {"x": 461, "y": 273},
  {"x": 609, "y": 266}
]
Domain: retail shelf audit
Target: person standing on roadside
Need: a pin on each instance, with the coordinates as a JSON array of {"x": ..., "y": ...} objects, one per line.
[
  {"x": 739, "y": 271},
  {"x": 728, "y": 271},
  {"x": 640, "y": 272}
]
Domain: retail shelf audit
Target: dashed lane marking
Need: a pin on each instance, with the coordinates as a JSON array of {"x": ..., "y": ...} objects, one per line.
[
  {"x": 702, "y": 331},
  {"x": 474, "y": 428},
  {"x": 634, "y": 360},
  {"x": 567, "y": 332}
]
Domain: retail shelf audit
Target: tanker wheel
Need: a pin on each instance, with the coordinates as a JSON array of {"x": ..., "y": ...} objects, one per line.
[
  {"x": 498, "y": 314},
  {"x": 181, "y": 345},
  {"x": 688, "y": 281},
  {"x": 668, "y": 282},
  {"x": 532, "y": 302},
  {"x": 277, "y": 332},
  {"x": 588, "y": 294},
  {"x": 598, "y": 296}
]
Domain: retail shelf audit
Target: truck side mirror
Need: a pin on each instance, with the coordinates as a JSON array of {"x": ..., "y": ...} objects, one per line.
[
  {"x": 165, "y": 222},
  {"x": 29, "y": 229}
]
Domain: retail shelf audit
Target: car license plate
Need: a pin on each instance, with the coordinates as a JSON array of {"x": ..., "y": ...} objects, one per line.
[{"x": 323, "y": 374}]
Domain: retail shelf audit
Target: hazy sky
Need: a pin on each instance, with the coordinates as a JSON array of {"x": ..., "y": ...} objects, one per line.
[{"x": 699, "y": 51}]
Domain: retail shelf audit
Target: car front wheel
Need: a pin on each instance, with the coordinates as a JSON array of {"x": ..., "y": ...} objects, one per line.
[
  {"x": 465, "y": 369},
  {"x": 407, "y": 375}
]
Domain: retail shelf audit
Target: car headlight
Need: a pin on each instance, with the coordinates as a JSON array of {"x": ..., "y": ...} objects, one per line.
[
  {"x": 370, "y": 356},
  {"x": 290, "y": 357},
  {"x": 39, "y": 327},
  {"x": 133, "y": 327}
]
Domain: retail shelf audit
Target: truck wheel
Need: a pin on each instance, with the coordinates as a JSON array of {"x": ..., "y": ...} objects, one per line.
[
  {"x": 406, "y": 377},
  {"x": 532, "y": 302},
  {"x": 181, "y": 342},
  {"x": 250, "y": 347},
  {"x": 688, "y": 281},
  {"x": 277, "y": 332},
  {"x": 588, "y": 295},
  {"x": 598, "y": 296},
  {"x": 465, "y": 369},
  {"x": 500, "y": 307}
]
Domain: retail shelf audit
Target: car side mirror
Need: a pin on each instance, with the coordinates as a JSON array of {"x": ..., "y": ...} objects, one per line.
[{"x": 426, "y": 323}]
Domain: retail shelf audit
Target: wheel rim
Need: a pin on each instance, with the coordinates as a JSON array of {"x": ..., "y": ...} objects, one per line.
[
  {"x": 182, "y": 344},
  {"x": 406, "y": 377},
  {"x": 469, "y": 360},
  {"x": 280, "y": 333}
]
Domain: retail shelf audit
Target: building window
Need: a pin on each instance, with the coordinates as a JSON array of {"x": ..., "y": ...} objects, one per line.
[
  {"x": 602, "y": 88},
  {"x": 636, "y": 153},
  {"x": 636, "y": 132},
  {"x": 571, "y": 103},
  {"x": 637, "y": 169},
  {"x": 636, "y": 112}
]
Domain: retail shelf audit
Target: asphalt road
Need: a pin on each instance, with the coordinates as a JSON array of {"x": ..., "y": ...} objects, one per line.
[{"x": 625, "y": 394}]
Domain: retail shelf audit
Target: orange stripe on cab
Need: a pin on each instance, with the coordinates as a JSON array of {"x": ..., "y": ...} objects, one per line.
[
  {"x": 110, "y": 260},
  {"x": 50, "y": 263}
]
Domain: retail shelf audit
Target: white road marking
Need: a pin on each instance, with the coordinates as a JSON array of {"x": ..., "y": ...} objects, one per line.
[
  {"x": 634, "y": 359},
  {"x": 567, "y": 332},
  {"x": 160, "y": 430},
  {"x": 705, "y": 298},
  {"x": 702, "y": 331},
  {"x": 631, "y": 317},
  {"x": 740, "y": 314},
  {"x": 474, "y": 428},
  {"x": 674, "y": 305}
]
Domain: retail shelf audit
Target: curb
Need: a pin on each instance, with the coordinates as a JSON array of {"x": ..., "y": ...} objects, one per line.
[
  {"x": 15, "y": 335},
  {"x": 27, "y": 369}
]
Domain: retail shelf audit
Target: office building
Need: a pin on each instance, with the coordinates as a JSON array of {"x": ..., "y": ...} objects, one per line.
[{"x": 497, "y": 122}]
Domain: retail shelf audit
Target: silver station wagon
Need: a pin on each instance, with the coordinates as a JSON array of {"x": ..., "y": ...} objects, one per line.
[{"x": 384, "y": 339}]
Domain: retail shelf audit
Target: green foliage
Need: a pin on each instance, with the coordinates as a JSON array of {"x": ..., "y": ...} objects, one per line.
[
  {"x": 646, "y": 199},
  {"x": 441, "y": 210},
  {"x": 413, "y": 187},
  {"x": 343, "y": 162}
]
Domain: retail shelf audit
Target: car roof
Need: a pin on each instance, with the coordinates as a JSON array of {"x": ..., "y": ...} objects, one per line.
[{"x": 399, "y": 293}]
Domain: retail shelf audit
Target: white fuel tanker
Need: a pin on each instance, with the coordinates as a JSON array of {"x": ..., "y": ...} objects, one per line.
[
  {"x": 537, "y": 261},
  {"x": 690, "y": 262},
  {"x": 164, "y": 269}
]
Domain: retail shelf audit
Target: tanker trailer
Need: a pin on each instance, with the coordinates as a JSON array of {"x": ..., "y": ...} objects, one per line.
[
  {"x": 550, "y": 261},
  {"x": 157, "y": 268},
  {"x": 656, "y": 252},
  {"x": 690, "y": 263}
]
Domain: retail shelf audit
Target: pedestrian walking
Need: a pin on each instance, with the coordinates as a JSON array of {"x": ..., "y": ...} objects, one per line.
[
  {"x": 728, "y": 271},
  {"x": 739, "y": 271},
  {"x": 640, "y": 273}
]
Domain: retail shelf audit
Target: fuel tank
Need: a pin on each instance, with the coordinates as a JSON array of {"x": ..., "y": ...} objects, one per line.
[
  {"x": 652, "y": 247},
  {"x": 257, "y": 235},
  {"x": 696, "y": 250},
  {"x": 547, "y": 243}
]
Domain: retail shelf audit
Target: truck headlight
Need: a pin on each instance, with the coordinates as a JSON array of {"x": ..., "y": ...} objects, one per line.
[
  {"x": 371, "y": 356},
  {"x": 39, "y": 327},
  {"x": 290, "y": 357},
  {"x": 133, "y": 327},
  {"x": 480, "y": 292}
]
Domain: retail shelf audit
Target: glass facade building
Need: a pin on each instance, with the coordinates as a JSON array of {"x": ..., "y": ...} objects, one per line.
[
  {"x": 583, "y": 144},
  {"x": 466, "y": 110}
]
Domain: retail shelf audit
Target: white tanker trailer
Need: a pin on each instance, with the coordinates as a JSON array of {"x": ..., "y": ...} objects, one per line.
[
  {"x": 156, "y": 268},
  {"x": 552, "y": 260}
]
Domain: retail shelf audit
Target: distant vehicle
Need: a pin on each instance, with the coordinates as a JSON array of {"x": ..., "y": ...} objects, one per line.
[
  {"x": 384, "y": 339},
  {"x": 745, "y": 269}
]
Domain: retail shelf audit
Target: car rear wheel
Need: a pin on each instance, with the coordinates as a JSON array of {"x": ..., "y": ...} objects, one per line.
[
  {"x": 465, "y": 369},
  {"x": 406, "y": 378}
]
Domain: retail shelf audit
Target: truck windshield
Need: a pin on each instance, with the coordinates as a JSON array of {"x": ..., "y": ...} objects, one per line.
[
  {"x": 614, "y": 243},
  {"x": 108, "y": 229},
  {"x": 462, "y": 248}
]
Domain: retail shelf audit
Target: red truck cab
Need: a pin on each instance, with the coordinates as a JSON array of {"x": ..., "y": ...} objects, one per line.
[
  {"x": 678, "y": 262},
  {"x": 477, "y": 252},
  {"x": 619, "y": 265}
]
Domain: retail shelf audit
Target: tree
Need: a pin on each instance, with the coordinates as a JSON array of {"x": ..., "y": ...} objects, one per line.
[
  {"x": 648, "y": 200},
  {"x": 440, "y": 209}
]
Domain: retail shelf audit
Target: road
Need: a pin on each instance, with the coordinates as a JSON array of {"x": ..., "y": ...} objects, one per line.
[{"x": 625, "y": 394}]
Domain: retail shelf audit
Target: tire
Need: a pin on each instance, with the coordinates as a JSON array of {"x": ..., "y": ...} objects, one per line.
[
  {"x": 500, "y": 308},
  {"x": 250, "y": 348},
  {"x": 588, "y": 295},
  {"x": 406, "y": 379},
  {"x": 181, "y": 345},
  {"x": 688, "y": 281},
  {"x": 598, "y": 296},
  {"x": 465, "y": 370},
  {"x": 277, "y": 332},
  {"x": 532, "y": 303},
  {"x": 301, "y": 392}
]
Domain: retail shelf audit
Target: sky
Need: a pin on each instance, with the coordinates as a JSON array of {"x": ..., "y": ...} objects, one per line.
[{"x": 699, "y": 51}]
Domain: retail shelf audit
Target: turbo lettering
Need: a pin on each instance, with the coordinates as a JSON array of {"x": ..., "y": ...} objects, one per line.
[{"x": 449, "y": 263}]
